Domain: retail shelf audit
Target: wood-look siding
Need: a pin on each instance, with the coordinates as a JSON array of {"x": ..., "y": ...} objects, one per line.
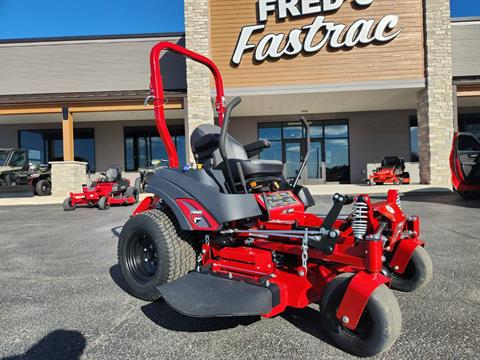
[{"x": 400, "y": 59}]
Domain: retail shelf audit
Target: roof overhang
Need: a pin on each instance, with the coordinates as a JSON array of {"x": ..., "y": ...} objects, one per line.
[{"x": 327, "y": 98}]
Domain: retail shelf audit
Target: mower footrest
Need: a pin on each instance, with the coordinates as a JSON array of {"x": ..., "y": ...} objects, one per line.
[{"x": 204, "y": 295}]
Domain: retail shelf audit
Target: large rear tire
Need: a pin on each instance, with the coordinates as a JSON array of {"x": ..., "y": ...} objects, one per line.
[
  {"x": 417, "y": 274},
  {"x": 152, "y": 251},
  {"x": 379, "y": 326},
  {"x": 43, "y": 187}
]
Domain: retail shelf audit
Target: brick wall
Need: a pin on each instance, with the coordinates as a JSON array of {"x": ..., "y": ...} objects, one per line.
[
  {"x": 435, "y": 102},
  {"x": 199, "y": 105}
]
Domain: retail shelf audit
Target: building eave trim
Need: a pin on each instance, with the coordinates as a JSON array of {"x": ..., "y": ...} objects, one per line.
[{"x": 322, "y": 88}]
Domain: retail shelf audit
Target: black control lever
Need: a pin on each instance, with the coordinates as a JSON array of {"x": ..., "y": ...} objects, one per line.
[
  {"x": 327, "y": 242},
  {"x": 338, "y": 202}
]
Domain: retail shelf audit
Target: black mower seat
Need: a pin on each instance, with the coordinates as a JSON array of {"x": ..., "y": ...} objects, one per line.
[
  {"x": 255, "y": 168},
  {"x": 113, "y": 173},
  {"x": 204, "y": 143}
]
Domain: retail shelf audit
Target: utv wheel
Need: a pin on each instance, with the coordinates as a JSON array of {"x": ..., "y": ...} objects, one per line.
[
  {"x": 103, "y": 203},
  {"x": 153, "y": 251},
  {"x": 132, "y": 192},
  {"x": 3, "y": 182},
  {"x": 43, "y": 188},
  {"x": 67, "y": 205},
  {"x": 138, "y": 185},
  {"x": 417, "y": 273},
  {"x": 379, "y": 326}
]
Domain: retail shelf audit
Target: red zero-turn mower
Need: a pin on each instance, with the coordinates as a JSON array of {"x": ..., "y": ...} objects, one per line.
[
  {"x": 465, "y": 165},
  {"x": 111, "y": 189},
  {"x": 233, "y": 238},
  {"x": 391, "y": 171}
]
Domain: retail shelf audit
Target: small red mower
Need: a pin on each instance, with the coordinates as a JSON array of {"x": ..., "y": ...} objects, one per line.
[
  {"x": 465, "y": 165},
  {"x": 233, "y": 238},
  {"x": 391, "y": 171},
  {"x": 111, "y": 189}
]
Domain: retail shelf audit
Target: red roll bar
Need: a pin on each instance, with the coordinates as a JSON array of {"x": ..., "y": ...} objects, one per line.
[{"x": 156, "y": 90}]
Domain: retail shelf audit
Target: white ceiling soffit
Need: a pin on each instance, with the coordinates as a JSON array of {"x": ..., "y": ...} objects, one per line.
[
  {"x": 89, "y": 117},
  {"x": 470, "y": 101},
  {"x": 321, "y": 103}
]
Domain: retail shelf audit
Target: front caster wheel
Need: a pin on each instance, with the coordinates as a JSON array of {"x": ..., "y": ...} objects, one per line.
[
  {"x": 103, "y": 203},
  {"x": 417, "y": 273},
  {"x": 379, "y": 326},
  {"x": 152, "y": 251},
  {"x": 67, "y": 204}
]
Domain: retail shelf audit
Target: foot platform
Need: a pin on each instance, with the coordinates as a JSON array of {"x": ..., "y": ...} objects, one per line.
[{"x": 204, "y": 295}]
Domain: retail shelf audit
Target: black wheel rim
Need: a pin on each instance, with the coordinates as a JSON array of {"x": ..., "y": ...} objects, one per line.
[{"x": 141, "y": 257}]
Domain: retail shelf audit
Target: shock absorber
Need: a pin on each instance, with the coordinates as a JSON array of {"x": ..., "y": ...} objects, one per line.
[{"x": 359, "y": 219}]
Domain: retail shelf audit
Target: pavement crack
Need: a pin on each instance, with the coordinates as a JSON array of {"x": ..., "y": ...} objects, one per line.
[{"x": 120, "y": 321}]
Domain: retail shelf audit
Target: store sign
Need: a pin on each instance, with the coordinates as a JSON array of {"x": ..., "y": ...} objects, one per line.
[{"x": 313, "y": 37}]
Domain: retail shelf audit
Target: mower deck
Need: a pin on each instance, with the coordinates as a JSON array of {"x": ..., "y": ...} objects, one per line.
[{"x": 204, "y": 295}]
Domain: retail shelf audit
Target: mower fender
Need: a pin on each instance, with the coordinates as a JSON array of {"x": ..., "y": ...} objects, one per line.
[
  {"x": 403, "y": 253},
  {"x": 172, "y": 205},
  {"x": 147, "y": 204},
  {"x": 359, "y": 290}
]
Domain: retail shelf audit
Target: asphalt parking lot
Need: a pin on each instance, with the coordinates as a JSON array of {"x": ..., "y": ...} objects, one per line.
[{"x": 61, "y": 296}]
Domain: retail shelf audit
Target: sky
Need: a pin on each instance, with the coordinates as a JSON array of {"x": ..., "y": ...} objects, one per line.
[
  {"x": 462, "y": 8},
  {"x": 52, "y": 18}
]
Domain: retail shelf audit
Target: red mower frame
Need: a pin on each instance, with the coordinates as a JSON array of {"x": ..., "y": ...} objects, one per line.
[
  {"x": 375, "y": 243},
  {"x": 389, "y": 175},
  {"x": 103, "y": 193}
]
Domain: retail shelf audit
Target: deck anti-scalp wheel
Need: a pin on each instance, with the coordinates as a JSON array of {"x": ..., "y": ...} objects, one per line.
[
  {"x": 417, "y": 274},
  {"x": 153, "y": 251},
  {"x": 379, "y": 325}
]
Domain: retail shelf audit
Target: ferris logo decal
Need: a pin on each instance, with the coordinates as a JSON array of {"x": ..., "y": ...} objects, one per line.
[{"x": 336, "y": 36}]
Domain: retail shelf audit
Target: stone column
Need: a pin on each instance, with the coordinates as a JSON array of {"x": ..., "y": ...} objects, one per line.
[
  {"x": 435, "y": 102},
  {"x": 68, "y": 176},
  {"x": 199, "y": 108}
]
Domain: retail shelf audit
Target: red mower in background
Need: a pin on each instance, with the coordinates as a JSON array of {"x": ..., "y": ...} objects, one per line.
[
  {"x": 231, "y": 237},
  {"x": 111, "y": 189},
  {"x": 391, "y": 171},
  {"x": 465, "y": 165}
]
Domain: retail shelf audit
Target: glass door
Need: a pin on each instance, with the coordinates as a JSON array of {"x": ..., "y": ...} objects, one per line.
[
  {"x": 315, "y": 160},
  {"x": 293, "y": 157}
]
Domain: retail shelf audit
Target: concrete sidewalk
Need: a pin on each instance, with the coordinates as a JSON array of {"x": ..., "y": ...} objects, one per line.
[{"x": 314, "y": 189}]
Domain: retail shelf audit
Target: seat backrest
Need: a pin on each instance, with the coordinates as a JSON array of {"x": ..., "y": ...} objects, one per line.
[
  {"x": 204, "y": 143},
  {"x": 114, "y": 173},
  {"x": 391, "y": 162}
]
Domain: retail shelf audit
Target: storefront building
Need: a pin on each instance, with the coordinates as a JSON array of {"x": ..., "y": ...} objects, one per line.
[{"x": 374, "y": 78}]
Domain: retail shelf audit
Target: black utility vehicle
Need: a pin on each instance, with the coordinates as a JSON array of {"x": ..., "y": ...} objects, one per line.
[{"x": 17, "y": 171}]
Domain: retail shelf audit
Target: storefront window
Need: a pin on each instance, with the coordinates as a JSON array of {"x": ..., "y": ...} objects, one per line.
[
  {"x": 413, "y": 139},
  {"x": 329, "y": 146},
  {"x": 143, "y": 144},
  {"x": 469, "y": 123},
  {"x": 47, "y": 145}
]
